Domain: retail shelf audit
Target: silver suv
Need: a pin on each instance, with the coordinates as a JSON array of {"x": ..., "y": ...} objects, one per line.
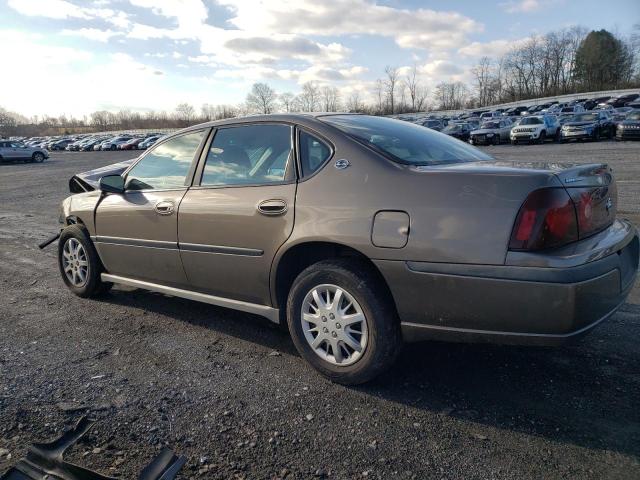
[{"x": 11, "y": 150}]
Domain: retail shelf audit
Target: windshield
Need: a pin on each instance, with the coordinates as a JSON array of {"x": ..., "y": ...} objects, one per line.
[
  {"x": 433, "y": 123},
  {"x": 490, "y": 125},
  {"x": 584, "y": 117},
  {"x": 405, "y": 142},
  {"x": 530, "y": 121},
  {"x": 633, "y": 116}
]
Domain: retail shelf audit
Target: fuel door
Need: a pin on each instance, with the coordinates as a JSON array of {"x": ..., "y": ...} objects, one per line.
[{"x": 390, "y": 229}]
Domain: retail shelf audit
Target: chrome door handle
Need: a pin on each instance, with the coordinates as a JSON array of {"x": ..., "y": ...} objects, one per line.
[
  {"x": 164, "y": 207},
  {"x": 272, "y": 207}
]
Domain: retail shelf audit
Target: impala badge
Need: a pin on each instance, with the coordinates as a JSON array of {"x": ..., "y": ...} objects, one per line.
[{"x": 341, "y": 164}]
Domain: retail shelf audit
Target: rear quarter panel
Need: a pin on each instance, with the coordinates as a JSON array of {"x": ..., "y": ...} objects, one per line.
[{"x": 457, "y": 215}]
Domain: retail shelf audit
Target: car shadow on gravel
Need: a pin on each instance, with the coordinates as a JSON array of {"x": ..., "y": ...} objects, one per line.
[
  {"x": 244, "y": 326},
  {"x": 583, "y": 394}
]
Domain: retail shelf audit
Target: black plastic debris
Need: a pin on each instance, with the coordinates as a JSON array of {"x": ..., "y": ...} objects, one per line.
[{"x": 45, "y": 461}]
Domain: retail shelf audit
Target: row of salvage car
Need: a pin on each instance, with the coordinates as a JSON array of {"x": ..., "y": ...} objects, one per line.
[{"x": 497, "y": 129}]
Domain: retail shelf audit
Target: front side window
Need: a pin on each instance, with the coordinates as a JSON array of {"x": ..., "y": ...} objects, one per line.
[
  {"x": 248, "y": 155},
  {"x": 313, "y": 153},
  {"x": 167, "y": 165},
  {"x": 405, "y": 142}
]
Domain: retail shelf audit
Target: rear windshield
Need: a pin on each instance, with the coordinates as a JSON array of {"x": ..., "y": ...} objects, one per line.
[{"x": 405, "y": 142}]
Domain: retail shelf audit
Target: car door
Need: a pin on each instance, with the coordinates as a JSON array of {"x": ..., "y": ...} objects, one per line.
[
  {"x": 239, "y": 211},
  {"x": 137, "y": 231}
]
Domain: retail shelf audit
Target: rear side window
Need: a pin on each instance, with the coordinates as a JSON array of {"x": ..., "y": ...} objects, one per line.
[
  {"x": 248, "y": 155},
  {"x": 313, "y": 153},
  {"x": 405, "y": 142},
  {"x": 167, "y": 165}
]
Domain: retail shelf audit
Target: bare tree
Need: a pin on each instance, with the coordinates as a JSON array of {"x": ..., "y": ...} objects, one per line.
[
  {"x": 390, "y": 86},
  {"x": 355, "y": 103},
  {"x": 262, "y": 98},
  {"x": 330, "y": 98},
  {"x": 185, "y": 113},
  {"x": 287, "y": 101},
  {"x": 309, "y": 99}
]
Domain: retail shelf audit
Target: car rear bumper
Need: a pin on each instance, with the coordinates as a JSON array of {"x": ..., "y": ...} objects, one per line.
[{"x": 511, "y": 304}]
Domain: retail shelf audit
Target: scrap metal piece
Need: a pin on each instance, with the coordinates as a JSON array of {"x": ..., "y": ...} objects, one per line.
[{"x": 45, "y": 461}]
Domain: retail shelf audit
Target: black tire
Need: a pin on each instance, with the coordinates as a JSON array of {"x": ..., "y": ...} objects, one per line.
[
  {"x": 596, "y": 135},
  {"x": 37, "y": 157},
  {"x": 384, "y": 339},
  {"x": 496, "y": 139},
  {"x": 514, "y": 142},
  {"x": 93, "y": 285},
  {"x": 114, "y": 147}
]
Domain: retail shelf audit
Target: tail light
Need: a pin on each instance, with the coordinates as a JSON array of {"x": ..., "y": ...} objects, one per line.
[
  {"x": 546, "y": 219},
  {"x": 552, "y": 217}
]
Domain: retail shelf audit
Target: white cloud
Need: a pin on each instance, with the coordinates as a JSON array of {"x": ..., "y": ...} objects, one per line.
[
  {"x": 420, "y": 28},
  {"x": 91, "y": 34},
  {"x": 48, "y": 8},
  {"x": 526, "y": 6},
  {"x": 493, "y": 48}
]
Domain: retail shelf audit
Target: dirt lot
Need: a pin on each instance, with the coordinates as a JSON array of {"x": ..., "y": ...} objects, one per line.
[{"x": 228, "y": 390}]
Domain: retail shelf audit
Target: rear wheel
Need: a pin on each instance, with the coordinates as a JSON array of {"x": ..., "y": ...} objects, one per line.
[
  {"x": 342, "y": 321},
  {"x": 79, "y": 263}
]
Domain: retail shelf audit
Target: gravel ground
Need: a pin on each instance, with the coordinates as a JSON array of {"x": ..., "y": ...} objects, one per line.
[{"x": 228, "y": 390}]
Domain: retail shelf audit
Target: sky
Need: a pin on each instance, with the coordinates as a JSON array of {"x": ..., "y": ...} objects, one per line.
[{"x": 74, "y": 57}]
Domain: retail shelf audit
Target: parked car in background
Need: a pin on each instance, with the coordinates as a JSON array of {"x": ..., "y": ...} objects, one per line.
[
  {"x": 148, "y": 142},
  {"x": 535, "y": 129},
  {"x": 635, "y": 105},
  {"x": 622, "y": 100},
  {"x": 515, "y": 111},
  {"x": 588, "y": 126},
  {"x": 89, "y": 145},
  {"x": 490, "y": 115},
  {"x": 629, "y": 128},
  {"x": 112, "y": 144},
  {"x": 431, "y": 123},
  {"x": 400, "y": 234},
  {"x": 604, "y": 107},
  {"x": 492, "y": 132},
  {"x": 594, "y": 102},
  {"x": 11, "y": 150},
  {"x": 535, "y": 109},
  {"x": 131, "y": 144},
  {"x": 60, "y": 144},
  {"x": 620, "y": 114},
  {"x": 461, "y": 131},
  {"x": 572, "y": 109}
]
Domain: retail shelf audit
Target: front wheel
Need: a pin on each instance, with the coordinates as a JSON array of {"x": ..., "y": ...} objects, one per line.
[
  {"x": 343, "y": 322},
  {"x": 37, "y": 157},
  {"x": 79, "y": 263}
]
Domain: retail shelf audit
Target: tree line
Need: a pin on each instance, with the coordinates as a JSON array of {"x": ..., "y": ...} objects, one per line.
[{"x": 570, "y": 60}]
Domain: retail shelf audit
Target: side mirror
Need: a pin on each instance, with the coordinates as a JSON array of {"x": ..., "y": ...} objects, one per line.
[{"x": 112, "y": 184}]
